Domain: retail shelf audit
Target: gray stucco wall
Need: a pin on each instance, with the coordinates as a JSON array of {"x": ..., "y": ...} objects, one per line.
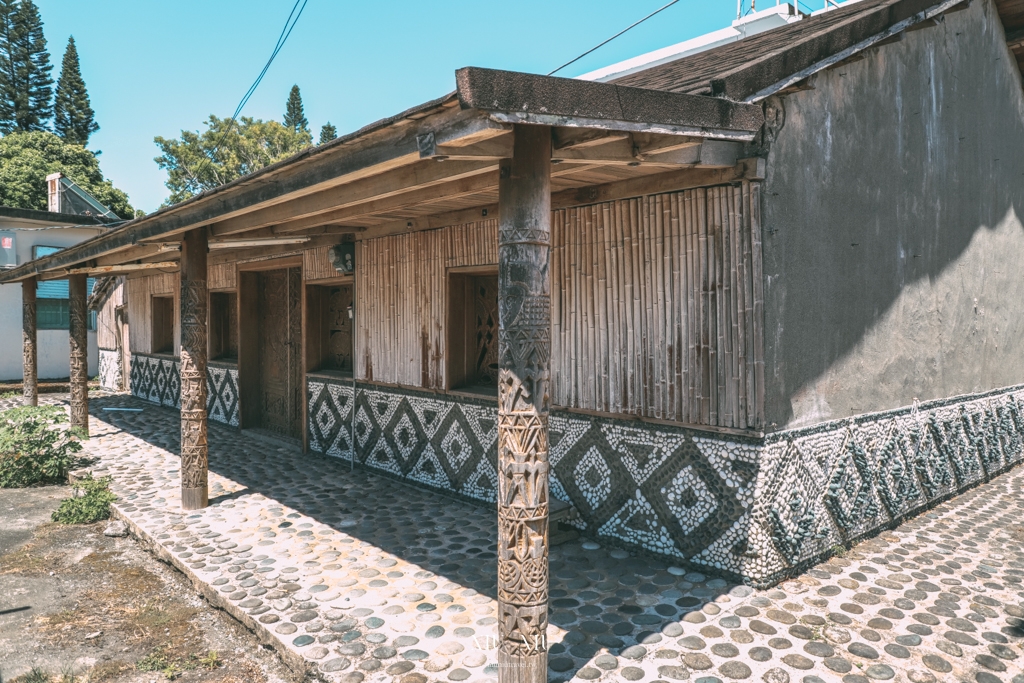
[{"x": 893, "y": 244}]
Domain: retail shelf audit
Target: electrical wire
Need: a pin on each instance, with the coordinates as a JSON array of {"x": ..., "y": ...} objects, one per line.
[
  {"x": 286, "y": 30},
  {"x": 600, "y": 45}
]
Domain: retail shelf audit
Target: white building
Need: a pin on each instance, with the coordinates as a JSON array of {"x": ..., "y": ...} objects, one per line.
[{"x": 25, "y": 235}]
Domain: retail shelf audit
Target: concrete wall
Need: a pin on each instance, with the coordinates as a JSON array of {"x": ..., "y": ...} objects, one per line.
[
  {"x": 54, "y": 348},
  {"x": 892, "y": 234}
]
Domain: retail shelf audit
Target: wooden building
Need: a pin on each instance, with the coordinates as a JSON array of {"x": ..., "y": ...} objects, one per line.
[{"x": 723, "y": 306}]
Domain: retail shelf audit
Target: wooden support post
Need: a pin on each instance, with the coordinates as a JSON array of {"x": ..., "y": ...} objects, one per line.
[
  {"x": 30, "y": 356},
  {"x": 194, "y": 450},
  {"x": 524, "y": 312},
  {"x": 78, "y": 335}
]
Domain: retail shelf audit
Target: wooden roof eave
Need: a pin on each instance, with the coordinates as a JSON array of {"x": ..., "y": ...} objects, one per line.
[{"x": 395, "y": 157}]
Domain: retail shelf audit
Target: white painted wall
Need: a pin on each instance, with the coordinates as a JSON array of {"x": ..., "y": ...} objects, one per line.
[{"x": 53, "y": 345}]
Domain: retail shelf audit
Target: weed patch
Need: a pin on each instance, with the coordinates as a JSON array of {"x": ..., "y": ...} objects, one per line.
[{"x": 89, "y": 502}]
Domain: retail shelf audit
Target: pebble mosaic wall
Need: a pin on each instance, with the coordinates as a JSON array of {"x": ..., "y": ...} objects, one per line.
[
  {"x": 759, "y": 510},
  {"x": 110, "y": 369},
  {"x": 830, "y": 484},
  {"x": 157, "y": 379},
  {"x": 440, "y": 442}
]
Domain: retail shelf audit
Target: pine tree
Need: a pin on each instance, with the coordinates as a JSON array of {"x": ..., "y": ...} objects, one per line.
[
  {"x": 294, "y": 118},
  {"x": 7, "y": 78},
  {"x": 72, "y": 115},
  {"x": 27, "y": 89},
  {"x": 328, "y": 132}
]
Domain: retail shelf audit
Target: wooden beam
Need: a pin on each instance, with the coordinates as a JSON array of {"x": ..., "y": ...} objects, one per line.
[
  {"x": 478, "y": 182},
  {"x": 123, "y": 268},
  {"x": 745, "y": 169},
  {"x": 419, "y": 175},
  {"x": 231, "y": 255},
  {"x": 569, "y": 138},
  {"x": 1015, "y": 39}
]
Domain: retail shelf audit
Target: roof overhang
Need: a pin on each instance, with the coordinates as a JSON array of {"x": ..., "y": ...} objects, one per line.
[
  {"x": 385, "y": 177},
  {"x": 49, "y": 218}
]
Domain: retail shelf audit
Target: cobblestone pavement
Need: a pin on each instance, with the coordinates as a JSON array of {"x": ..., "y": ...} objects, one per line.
[{"x": 365, "y": 578}]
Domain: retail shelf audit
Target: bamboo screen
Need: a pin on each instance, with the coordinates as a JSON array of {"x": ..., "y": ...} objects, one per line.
[
  {"x": 401, "y": 290},
  {"x": 656, "y": 305}
]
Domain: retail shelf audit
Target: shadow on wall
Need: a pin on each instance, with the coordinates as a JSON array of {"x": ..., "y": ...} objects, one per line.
[{"x": 892, "y": 236}]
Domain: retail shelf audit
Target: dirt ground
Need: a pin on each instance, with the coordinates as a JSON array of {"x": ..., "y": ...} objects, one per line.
[{"x": 78, "y": 606}]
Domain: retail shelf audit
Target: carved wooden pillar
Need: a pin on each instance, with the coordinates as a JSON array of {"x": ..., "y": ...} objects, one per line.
[
  {"x": 194, "y": 452},
  {"x": 30, "y": 373},
  {"x": 78, "y": 334},
  {"x": 524, "y": 312}
]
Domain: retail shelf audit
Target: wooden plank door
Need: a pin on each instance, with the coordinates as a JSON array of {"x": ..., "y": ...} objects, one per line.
[{"x": 278, "y": 351}]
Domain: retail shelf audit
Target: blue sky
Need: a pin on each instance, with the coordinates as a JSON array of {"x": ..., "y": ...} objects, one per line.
[{"x": 154, "y": 68}]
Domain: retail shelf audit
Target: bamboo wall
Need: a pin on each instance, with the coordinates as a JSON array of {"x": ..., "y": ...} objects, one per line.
[
  {"x": 140, "y": 316},
  {"x": 659, "y": 306},
  {"x": 221, "y": 277},
  {"x": 106, "y": 325},
  {"x": 401, "y": 291},
  {"x": 656, "y": 305}
]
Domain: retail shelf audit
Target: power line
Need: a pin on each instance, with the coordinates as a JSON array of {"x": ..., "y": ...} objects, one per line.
[
  {"x": 286, "y": 30},
  {"x": 600, "y": 45}
]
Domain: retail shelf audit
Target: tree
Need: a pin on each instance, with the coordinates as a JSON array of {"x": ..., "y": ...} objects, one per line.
[
  {"x": 26, "y": 89},
  {"x": 328, "y": 132},
  {"x": 7, "y": 77},
  {"x": 294, "y": 118},
  {"x": 27, "y": 158},
  {"x": 72, "y": 115},
  {"x": 226, "y": 150}
]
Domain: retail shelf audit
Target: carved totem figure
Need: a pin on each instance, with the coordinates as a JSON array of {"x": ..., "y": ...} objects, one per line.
[
  {"x": 524, "y": 303},
  {"x": 194, "y": 449},
  {"x": 30, "y": 373},
  {"x": 78, "y": 335}
]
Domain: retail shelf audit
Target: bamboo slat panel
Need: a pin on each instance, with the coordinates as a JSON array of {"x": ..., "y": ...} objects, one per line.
[
  {"x": 106, "y": 325},
  {"x": 140, "y": 291},
  {"x": 221, "y": 276},
  {"x": 401, "y": 294},
  {"x": 316, "y": 265},
  {"x": 657, "y": 305}
]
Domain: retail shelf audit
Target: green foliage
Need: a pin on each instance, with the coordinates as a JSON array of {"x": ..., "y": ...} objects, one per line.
[
  {"x": 158, "y": 661},
  {"x": 328, "y": 132},
  {"x": 89, "y": 502},
  {"x": 226, "y": 150},
  {"x": 36, "y": 446},
  {"x": 26, "y": 88},
  {"x": 72, "y": 113},
  {"x": 211, "y": 660},
  {"x": 294, "y": 117},
  {"x": 27, "y": 158}
]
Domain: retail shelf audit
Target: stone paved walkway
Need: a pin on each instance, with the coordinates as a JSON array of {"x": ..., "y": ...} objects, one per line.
[{"x": 361, "y": 578}]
